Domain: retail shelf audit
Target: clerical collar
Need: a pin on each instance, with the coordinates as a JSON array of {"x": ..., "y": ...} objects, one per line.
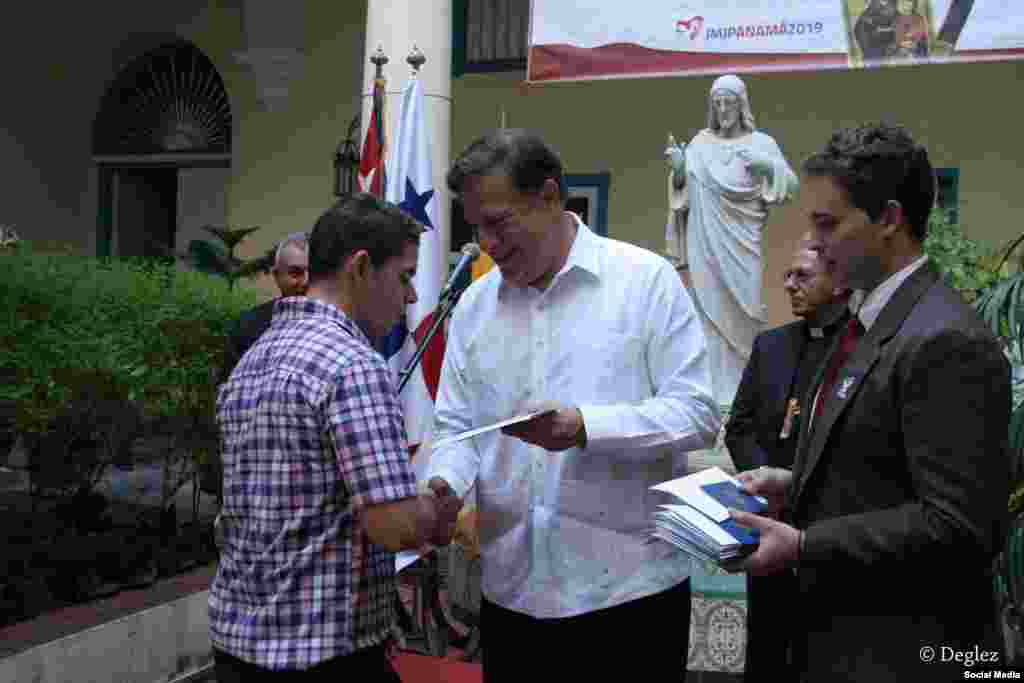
[{"x": 829, "y": 319}]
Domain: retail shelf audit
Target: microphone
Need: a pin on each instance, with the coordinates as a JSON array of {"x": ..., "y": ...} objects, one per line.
[{"x": 470, "y": 253}]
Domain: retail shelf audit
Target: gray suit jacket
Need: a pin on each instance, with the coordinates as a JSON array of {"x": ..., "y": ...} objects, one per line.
[{"x": 901, "y": 486}]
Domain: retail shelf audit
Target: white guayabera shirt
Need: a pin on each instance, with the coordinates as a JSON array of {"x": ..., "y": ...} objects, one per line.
[{"x": 616, "y": 335}]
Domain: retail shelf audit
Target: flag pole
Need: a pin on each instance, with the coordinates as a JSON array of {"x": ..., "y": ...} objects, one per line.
[
  {"x": 379, "y": 59},
  {"x": 416, "y": 59},
  {"x": 446, "y": 310}
]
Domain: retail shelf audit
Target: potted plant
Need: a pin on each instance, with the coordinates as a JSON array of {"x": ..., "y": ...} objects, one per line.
[{"x": 218, "y": 258}]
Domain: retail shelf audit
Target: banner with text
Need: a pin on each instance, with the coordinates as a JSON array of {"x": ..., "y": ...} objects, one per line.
[{"x": 589, "y": 39}]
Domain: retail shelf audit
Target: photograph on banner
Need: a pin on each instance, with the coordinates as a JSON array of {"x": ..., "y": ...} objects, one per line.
[
  {"x": 950, "y": 16},
  {"x": 981, "y": 29},
  {"x": 888, "y": 31}
]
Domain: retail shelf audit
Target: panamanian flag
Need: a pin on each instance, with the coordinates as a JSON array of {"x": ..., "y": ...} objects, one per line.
[{"x": 410, "y": 185}]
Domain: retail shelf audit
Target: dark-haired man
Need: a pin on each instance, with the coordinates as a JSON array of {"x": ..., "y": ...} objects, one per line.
[
  {"x": 605, "y": 333},
  {"x": 896, "y": 502},
  {"x": 318, "y": 488}
]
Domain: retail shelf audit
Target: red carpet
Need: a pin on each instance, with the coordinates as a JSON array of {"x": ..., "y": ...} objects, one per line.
[{"x": 414, "y": 668}]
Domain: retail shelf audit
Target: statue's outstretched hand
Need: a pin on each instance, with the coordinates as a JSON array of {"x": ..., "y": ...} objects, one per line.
[
  {"x": 675, "y": 154},
  {"x": 757, "y": 164}
]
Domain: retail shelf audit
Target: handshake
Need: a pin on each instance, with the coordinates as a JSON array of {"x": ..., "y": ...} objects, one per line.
[
  {"x": 447, "y": 506},
  {"x": 414, "y": 523}
]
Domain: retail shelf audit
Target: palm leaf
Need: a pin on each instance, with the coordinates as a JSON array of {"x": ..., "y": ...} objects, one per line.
[
  {"x": 1014, "y": 302},
  {"x": 231, "y": 237},
  {"x": 211, "y": 258},
  {"x": 1002, "y": 303},
  {"x": 1017, "y": 439},
  {"x": 1005, "y": 251},
  {"x": 1007, "y": 311}
]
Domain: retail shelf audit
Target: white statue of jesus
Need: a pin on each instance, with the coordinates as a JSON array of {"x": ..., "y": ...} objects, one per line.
[{"x": 720, "y": 188}]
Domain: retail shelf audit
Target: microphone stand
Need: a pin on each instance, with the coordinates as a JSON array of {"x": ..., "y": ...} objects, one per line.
[
  {"x": 435, "y": 638},
  {"x": 445, "y": 310}
]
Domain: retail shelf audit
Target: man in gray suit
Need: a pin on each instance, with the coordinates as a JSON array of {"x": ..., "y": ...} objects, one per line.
[{"x": 896, "y": 502}]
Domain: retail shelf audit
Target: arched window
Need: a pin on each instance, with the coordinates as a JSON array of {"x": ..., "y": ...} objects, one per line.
[{"x": 170, "y": 100}]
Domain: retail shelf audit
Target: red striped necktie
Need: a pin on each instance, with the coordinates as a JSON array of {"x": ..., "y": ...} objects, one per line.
[{"x": 852, "y": 333}]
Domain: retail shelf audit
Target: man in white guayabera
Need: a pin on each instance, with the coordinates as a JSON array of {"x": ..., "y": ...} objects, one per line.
[{"x": 720, "y": 188}]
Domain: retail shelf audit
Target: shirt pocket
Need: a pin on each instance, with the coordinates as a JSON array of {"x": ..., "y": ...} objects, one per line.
[{"x": 499, "y": 374}]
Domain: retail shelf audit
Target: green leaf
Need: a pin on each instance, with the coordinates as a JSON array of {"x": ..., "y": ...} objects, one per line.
[
  {"x": 211, "y": 258},
  {"x": 1017, "y": 431}
]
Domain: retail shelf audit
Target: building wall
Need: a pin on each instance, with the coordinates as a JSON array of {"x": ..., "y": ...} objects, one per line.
[
  {"x": 281, "y": 174},
  {"x": 962, "y": 113},
  {"x": 282, "y": 166},
  {"x": 53, "y": 75}
]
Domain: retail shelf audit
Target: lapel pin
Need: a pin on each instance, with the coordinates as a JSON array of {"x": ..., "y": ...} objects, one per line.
[{"x": 844, "y": 388}]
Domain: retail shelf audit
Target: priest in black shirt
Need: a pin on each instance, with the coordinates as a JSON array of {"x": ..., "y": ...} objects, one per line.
[{"x": 764, "y": 424}]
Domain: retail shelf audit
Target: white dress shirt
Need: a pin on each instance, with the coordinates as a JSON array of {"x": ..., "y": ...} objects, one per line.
[
  {"x": 616, "y": 335},
  {"x": 875, "y": 301}
]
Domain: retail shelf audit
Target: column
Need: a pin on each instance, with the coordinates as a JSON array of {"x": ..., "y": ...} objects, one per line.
[{"x": 395, "y": 26}]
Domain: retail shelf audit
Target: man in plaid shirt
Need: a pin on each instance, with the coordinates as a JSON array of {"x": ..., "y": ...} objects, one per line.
[{"x": 318, "y": 488}]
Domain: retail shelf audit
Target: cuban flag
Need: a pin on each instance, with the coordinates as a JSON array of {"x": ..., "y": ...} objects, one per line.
[
  {"x": 410, "y": 185},
  {"x": 371, "y": 163}
]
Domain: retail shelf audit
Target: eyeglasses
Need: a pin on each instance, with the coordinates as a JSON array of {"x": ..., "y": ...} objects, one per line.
[{"x": 799, "y": 277}]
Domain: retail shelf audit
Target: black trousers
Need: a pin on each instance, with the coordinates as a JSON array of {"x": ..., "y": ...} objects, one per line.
[
  {"x": 367, "y": 665},
  {"x": 643, "y": 640},
  {"x": 770, "y": 623}
]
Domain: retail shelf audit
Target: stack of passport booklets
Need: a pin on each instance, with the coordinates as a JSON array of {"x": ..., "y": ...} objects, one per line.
[{"x": 697, "y": 520}]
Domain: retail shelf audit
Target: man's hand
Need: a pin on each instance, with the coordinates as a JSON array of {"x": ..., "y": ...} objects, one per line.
[
  {"x": 770, "y": 483},
  {"x": 448, "y": 508},
  {"x": 557, "y": 430},
  {"x": 779, "y": 547},
  {"x": 440, "y": 487}
]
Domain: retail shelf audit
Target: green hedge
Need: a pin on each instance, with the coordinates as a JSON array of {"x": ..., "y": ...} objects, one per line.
[{"x": 154, "y": 334}]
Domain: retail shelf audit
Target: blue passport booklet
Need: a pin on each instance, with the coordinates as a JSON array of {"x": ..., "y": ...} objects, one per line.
[{"x": 698, "y": 521}]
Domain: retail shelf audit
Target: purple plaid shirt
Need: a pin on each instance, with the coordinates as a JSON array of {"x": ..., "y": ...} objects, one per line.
[{"x": 312, "y": 433}]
